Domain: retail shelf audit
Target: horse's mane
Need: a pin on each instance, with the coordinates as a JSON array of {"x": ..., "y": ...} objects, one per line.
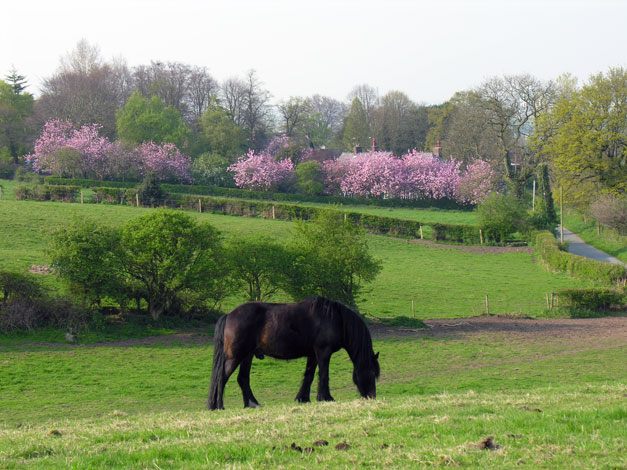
[{"x": 355, "y": 333}]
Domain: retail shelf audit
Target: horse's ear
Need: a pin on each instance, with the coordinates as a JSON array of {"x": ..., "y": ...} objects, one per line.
[{"x": 376, "y": 356}]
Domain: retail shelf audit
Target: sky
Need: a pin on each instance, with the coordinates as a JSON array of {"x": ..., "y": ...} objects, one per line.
[{"x": 428, "y": 49}]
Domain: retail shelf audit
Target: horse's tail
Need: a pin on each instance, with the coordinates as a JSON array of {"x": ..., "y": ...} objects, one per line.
[{"x": 218, "y": 375}]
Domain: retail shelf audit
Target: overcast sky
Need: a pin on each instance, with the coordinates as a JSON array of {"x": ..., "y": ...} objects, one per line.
[{"x": 428, "y": 49}]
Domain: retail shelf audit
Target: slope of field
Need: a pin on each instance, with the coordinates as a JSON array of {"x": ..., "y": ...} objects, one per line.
[
  {"x": 550, "y": 393},
  {"x": 608, "y": 241},
  {"x": 443, "y": 280}
]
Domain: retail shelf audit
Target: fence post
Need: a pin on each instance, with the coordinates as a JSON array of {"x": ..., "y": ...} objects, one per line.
[
  {"x": 199, "y": 206},
  {"x": 82, "y": 200},
  {"x": 533, "y": 204},
  {"x": 137, "y": 199},
  {"x": 548, "y": 305},
  {"x": 0, "y": 192},
  {"x": 413, "y": 313},
  {"x": 487, "y": 305},
  {"x": 421, "y": 235},
  {"x": 481, "y": 236},
  {"x": 552, "y": 299},
  {"x": 273, "y": 213}
]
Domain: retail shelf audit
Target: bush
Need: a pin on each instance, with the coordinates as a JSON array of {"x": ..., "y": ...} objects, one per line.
[
  {"x": 25, "y": 175},
  {"x": 548, "y": 250},
  {"x": 7, "y": 168},
  {"x": 150, "y": 192},
  {"x": 44, "y": 192},
  {"x": 500, "y": 216},
  {"x": 110, "y": 195},
  {"x": 610, "y": 211},
  {"x": 593, "y": 298}
]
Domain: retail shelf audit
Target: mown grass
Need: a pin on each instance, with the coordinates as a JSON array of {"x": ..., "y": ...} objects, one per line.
[
  {"x": 548, "y": 404},
  {"x": 444, "y": 281},
  {"x": 608, "y": 241}
]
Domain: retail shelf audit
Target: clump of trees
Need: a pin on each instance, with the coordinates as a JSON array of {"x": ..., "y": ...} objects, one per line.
[{"x": 172, "y": 265}]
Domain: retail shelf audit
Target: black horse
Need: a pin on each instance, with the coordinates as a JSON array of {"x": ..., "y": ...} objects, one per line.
[{"x": 314, "y": 328}]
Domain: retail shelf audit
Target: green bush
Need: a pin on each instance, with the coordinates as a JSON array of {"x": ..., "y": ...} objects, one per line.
[
  {"x": 44, "y": 192},
  {"x": 548, "y": 250},
  {"x": 592, "y": 298},
  {"x": 110, "y": 195},
  {"x": 466, "y": 234},
  {"x": 150, "y": 192},
  {"x": 500, "y": 216}
]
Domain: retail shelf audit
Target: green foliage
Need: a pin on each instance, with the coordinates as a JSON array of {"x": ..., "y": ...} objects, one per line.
[
  {"x": 544, "y": 216},
  {"x": 578, "y": 266},
  {"x": 16, "y": 285},
  {"x": 330, "y": 258},
  {"x": 15, "y": 109},
  {"x": 219, "y": 135},
  {"x": 110, "y": 195},
  {"x": 456, "y": 233},
  {"x": 357, "y": 131},
  {"x": 592, "y": 298},
  {"x": 165, "y": 253},
  {"x": 150, "y": 192},
  {"x": 83, "y": 254},
  {"x": 45, "y": 192},
  {"x": 149, "y": 120},
  {"x": 211, "y": 169},
  {"x": 584, "y": 137},
  {"x": 500, "y": 216},
  {"x": 309, "y": 178},
  {"x": 258, "y": 264}
]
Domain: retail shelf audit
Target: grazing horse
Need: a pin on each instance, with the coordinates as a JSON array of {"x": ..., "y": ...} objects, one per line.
[{"x": 314, "y": 328}]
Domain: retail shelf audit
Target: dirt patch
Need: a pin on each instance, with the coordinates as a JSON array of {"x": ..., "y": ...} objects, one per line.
[{"x": 477, "y": 249}]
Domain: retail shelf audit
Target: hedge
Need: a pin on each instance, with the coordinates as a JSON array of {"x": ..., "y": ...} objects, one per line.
[
  {"x": 592, "y": 298},
  {"x": 268, "y": 196},
  {"x": 45, "y": 192},
  {"x": 577, "y": 266}
]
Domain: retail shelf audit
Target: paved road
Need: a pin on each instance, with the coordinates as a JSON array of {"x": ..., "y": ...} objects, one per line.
[{"x": 577, "y": 246}]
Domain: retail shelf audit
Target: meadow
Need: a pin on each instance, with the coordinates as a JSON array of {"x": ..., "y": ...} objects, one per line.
[
  {"x": 548, "y": 392},
  {"x": 549, "y": 399}
]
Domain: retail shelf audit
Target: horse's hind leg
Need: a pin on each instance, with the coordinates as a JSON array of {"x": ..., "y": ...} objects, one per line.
[
  {"x": 243, "y": 379},
  {"x": 305, "y": 388}
]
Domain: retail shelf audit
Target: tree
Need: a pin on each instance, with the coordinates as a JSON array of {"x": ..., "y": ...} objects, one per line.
[
  {"x": 584, "y": 137},
  {"x": 258, "y": 263},
  {"x": 165, "y": 161},
  {"x": 149, "y": 120},
  {"x": 310, "y": 180},
  {"x": 166, "y": 253},
  {"x": 330, "y": 258},
  {"x": 544, "y": 215},
  {"x": 260, "y": 171},
  {"x": 83, "y": 254},
  {"x": 85, "y": 90},
  {"x": 501, "y": 215},
  {"x": 293, "y": 113},
  {"x": 357, "y": 130},
  {"x": 219, "y": 135},
  {"x": 16, "y": 106},
  {"x": 610, "y": 211}
]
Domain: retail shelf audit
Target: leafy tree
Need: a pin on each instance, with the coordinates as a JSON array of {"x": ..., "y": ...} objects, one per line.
[
  {"x": 544, "y": 215},
  {"x": 584, "y": 137},
  {"x": 357, "y": 130},
  {"x": 310, "y": 179},
  {"x": 149, "y": 120},
  {"x": 293, "y": 114},
  {"x": 83, "y": 254},
  {"x": 212, "y": 169},
  {"x": 259, "y": 171},
  {"x": 15, "y": 285},
  {"x": 501, "y": 215},
  {"x": 219, "y": 135},
  {"x": 330, "y": 258},
  {"x": 165, "y": 254},
  {"x": 16, "y": 107},
  {"x": 258, "y": 264}
]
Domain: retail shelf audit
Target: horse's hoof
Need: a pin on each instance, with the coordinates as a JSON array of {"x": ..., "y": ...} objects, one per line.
[
  {"x": 252, "y": 405},
  {"x": 302, "y": 400}
]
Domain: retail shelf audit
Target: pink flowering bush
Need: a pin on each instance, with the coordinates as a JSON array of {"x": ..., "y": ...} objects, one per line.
[
  {"x": 259, "y": 171},
  {"x": 65, "y": 151}
]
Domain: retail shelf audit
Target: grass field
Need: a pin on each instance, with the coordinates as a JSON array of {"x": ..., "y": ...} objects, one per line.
[
  {"x": 444, "y": 281},
  {"x": 609, "y": 241},
  {"x": 553, "y": 399}
]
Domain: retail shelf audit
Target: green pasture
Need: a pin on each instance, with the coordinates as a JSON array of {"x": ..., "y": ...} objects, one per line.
[
  {"x": 608, "y": 241},
  {"x": 548, "y": 404},
  {"x": 443, "y": 280}
]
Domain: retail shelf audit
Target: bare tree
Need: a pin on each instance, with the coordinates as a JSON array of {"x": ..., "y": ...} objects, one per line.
[
  {"x": 331, "y": 111},
  {"x": 233, "y": 97},
  {"x": 369, "y": 98},
  {"x": 293, "y": 112},
  {"x": 169, "y": 81},
  {"x": 202, "y": 86}
]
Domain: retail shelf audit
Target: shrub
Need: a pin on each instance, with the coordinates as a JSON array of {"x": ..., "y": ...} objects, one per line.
[
  {"x": 500, "y": 216},
  {"x": 44, "y": 192},
  {"x": 611, "y": 211},
  {"x": 150, "y": 192},
  {"x": 592, "y": 298}
]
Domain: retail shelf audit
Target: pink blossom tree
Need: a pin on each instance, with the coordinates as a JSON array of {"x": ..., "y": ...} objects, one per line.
[
  {"x": 165, "y": 161},
  {"x": 259, "y": 171},
  {"x": 477, "y": 182}
]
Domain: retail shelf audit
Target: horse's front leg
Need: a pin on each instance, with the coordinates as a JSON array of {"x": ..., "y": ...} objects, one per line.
[
  {"x": 305, "y": 388},
  {"x": 243, "y": 379},
  {"x": 323, "y": 357}
]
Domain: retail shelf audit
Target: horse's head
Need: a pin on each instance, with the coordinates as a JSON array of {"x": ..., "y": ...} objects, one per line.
[{"x": 365, "y": 377}]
